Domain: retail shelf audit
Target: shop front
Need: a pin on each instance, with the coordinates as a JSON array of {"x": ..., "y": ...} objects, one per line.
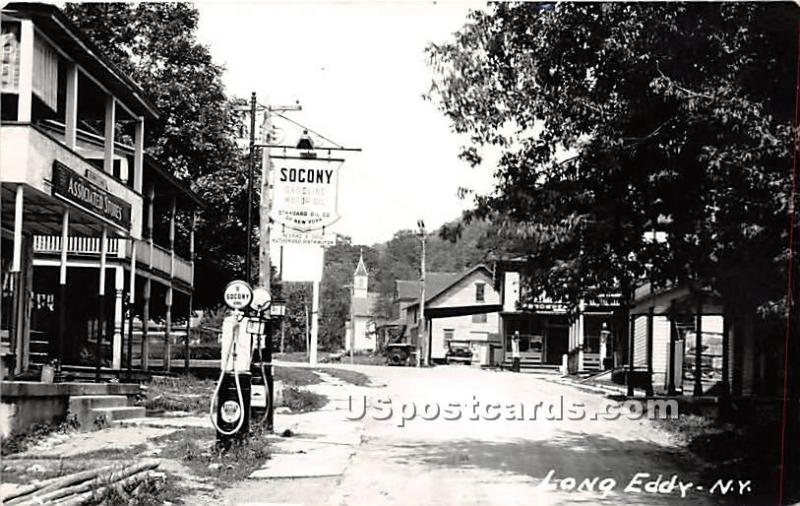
[{"x": 543, "y": 337}]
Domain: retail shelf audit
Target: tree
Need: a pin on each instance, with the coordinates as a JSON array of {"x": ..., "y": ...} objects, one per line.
[
  {"x": 156, "y": 45},
  {"x": 618, "y": 119}
]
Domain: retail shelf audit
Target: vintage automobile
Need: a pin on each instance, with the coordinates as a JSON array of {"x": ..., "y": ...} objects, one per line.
[
  {"x": 399, "y": 353},
  {"x": 458, "y": 353}
]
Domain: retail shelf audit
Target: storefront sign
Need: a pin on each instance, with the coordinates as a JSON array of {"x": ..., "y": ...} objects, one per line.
[
  {"x": 305, "y": 193},
  {"x": 545, "y": 306},
  {"x": 71, "y": 186}
]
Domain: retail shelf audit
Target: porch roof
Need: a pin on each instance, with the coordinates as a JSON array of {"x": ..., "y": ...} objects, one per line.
[{"x": 55, "y": 24}]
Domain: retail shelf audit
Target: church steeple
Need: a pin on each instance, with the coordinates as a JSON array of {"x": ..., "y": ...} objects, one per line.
[
  {"x": 361, "y": 269},
  {"x": 360, "y": 278}
]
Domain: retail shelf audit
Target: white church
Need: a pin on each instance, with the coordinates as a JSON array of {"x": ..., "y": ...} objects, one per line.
[{"x": 360, "y": 328}]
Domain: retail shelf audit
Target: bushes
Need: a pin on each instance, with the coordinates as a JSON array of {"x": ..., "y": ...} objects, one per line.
[{"x": 203, "y": 351}]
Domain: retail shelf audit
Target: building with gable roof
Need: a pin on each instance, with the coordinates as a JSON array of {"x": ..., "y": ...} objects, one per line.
[
  {"x": 360, "y": 332},
  {"x": 461, "y": 311}
]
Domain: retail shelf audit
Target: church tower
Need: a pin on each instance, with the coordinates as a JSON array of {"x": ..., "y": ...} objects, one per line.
[{"x": 360, "y": 279}]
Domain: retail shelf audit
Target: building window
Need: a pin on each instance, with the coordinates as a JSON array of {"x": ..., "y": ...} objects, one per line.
[
  {"x": 480, "y": 289},
  {"x": 479, "y": 318},
  {"x": 448, "y": 335}
]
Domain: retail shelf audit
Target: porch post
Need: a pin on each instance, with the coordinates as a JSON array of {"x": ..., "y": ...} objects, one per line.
[
  {"x": 138, "y": 154},
  {"x": 16, "y": 264},
  {"x": 145, "y": 361},
  {"x": 186, "y": 362},
  {"x": 649, "y": 351},
  {"x": 62, "y": 291},
  {"x": 119, "y": 320},
  {"x": 581, "y": 335},
  {"x": 151, "y": 200},
  {"x": 673, "y": 330},
  {"x": 131, "y": 301},
  {"x": 71, "y": 115},
  {"x": 172, "y": 210},
  {"x": 192, "y": 226},
  {"x": 726, "y": 357},
  {"x": 168, "y": 329},
  {"x": 16, "y": 254},
  {"x": 108, "y": 143},
  {"x": 698, "y": 349},
  {"x": 25, "y": 87},
  {"x": 101, "y": 299},
  {"x": 629, "y": 381},
  {"x": 737, "y": 352}
]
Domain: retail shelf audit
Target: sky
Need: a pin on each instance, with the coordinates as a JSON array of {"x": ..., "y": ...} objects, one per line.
[{"x": 359, "y": 70}]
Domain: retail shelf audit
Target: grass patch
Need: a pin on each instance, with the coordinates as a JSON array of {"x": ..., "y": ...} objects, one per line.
[
  {"x": 114, "y": 453},
  {"x": 26, "y": 472},
  {"x": 300, "y": 400},
  {"x": 181, "y": 393},
  {"x": 162, "y": 488},
  {"x": 18, "y": 443},
  {"x": 298, "y": 356},
  {"x": 296, "y": 376},
  {"x": 359, "y": 359},
  {"x": 746, "y": 448},
  {"x": 352, "y": 377},
  {"x": 197, "y": 449}
]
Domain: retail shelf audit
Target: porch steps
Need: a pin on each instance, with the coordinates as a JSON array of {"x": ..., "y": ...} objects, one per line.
[
  {"x": 120, "y": 413},
  {"x": 38, "y": 353},
  {"x": 94, "y": 411},
  {"x": 529, "y": 365}
]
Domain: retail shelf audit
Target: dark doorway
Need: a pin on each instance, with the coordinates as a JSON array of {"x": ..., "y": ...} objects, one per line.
[{"x": 557, "y": 343}]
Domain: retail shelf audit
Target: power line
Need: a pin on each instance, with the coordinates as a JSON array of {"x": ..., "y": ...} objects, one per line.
[{"x": 306, "y": 128}]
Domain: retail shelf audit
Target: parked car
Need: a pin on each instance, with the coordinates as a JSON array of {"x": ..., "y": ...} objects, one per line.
[
  {"x": 458, "y": 353},
  {"x": 399, "y": 353}
]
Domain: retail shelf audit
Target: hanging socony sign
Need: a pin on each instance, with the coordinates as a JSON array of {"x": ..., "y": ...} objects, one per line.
[{"x": 305, "y": 193}]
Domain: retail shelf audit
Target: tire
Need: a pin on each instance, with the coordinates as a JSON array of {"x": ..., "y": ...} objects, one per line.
[{"x": 395, "y": 360}]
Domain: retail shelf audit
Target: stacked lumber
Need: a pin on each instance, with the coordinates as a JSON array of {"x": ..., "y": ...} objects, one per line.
[{"x": 85, "y": 487}]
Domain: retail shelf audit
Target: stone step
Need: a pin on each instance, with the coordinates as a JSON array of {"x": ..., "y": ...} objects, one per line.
[
  {"x": 98, "y": 401},
  {"x": 84, "y": 408},
  {"x": 119, "y": 413}
]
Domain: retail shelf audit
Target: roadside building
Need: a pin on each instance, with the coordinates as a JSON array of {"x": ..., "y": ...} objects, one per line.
[
  {"x": 549, "y": 330},
  {"x": 682, "y": 343},
  {"x": 461, "y": 312},
  {"x": 92, "y": 228}
]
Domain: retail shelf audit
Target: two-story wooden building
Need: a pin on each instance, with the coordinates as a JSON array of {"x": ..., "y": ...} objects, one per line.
[
  {"x": 549, "y": 330},
  {"x": 460, "y": 310},
  {"x": 92, "y": 228}
]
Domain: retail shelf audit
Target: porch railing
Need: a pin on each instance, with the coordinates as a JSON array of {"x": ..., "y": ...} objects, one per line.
[
  {"x": 183, "y": 270},
  {"x": 75, "y": 245},
  {"x": 162, "y": 259}
]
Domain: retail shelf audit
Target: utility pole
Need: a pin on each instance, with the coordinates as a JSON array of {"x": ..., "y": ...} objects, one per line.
[
  {"x": 422, "y": 341},
  {"x": 251, "y": 170},
  {"x": 264, "y": 267}
]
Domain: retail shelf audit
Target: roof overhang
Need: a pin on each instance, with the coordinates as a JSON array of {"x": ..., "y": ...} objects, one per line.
[{"x": 445, "y": 312}]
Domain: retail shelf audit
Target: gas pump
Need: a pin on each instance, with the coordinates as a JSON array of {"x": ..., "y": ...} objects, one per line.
[
  {"x": 261, "y": 386},
  {"x": 230, "y": 404}
]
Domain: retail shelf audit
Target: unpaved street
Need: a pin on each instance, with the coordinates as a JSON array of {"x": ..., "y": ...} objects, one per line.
[{"x": 503, "y": 461}]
